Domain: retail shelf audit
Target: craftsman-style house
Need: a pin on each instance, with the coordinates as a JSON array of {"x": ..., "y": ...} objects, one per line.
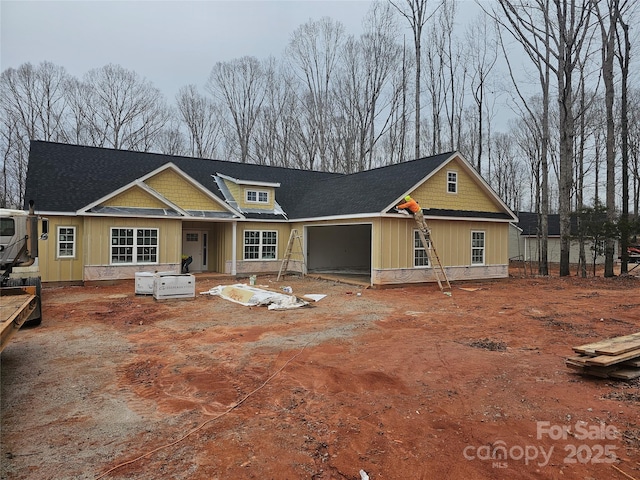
[{"x": 113, "y": 213}]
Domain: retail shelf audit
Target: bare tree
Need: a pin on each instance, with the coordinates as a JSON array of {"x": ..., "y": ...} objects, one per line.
[
  {"x": 556, "y": 39},
  {"x": 536, "y": 43},
  {"x": 172, "y": 140},
  {"x": 623, "y": 54},
  {"x": 483, "y": 55},
  {"x": 435, "y": 87},
  {"x": 239, "y": 84},
  {"x": 415, "y": 12},
  {"x": 202, "y": 119},
  {"x": 607, "y": 22},
  {"x": 507, "y": 172},
  {"x": 363, "y": 89},
  {"x": 32, "y": 107},
  {"x": 36, "y": 95},
  {"x": 278, "y": 125},
  {"x": 455, "y": 67},
  {"x": 125, "y": 111},
  {"x": 634, "y": 149},
  {"x": 314, "y": 51}
]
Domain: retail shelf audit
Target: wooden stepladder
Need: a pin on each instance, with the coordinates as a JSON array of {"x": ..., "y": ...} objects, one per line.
[
  {"x": 287, "y": 254},
  {"x": 434, "y": 259}
]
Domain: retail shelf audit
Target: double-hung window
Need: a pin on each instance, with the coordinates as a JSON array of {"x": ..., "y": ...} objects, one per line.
[
  {"x": 452, "y": 182},
  {"x": 134, "y": 245},
  {"x": 66, "y": 242},
  {"x": 477, "y": 248},
  {"x": 260, "y": 244},
  {"x": 420, "y": 257}
]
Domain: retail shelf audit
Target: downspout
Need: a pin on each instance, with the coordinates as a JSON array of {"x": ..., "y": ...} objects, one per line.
[{"x": 234, "y": 236}]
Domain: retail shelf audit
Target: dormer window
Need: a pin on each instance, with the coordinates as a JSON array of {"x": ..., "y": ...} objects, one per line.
[
  {"x": 452, "y": 182},
  {"x": 256, "y": 196}
]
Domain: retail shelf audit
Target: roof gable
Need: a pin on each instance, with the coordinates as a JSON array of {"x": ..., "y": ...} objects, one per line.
[
  {"x": 471, "y": 194},
  {"x": 175, "y": 186},
  {"x": 134, "y": 196}
]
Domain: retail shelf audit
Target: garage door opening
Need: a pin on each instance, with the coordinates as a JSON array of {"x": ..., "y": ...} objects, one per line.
[{"x": 340, "y": 250}]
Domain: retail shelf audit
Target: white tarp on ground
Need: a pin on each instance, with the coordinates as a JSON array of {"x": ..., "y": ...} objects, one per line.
[{"x": 250, "y": 296}]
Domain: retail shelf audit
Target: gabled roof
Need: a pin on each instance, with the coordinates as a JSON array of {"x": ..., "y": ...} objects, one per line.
[
  {"x": 371, "y": 191},
  {"x": 69, "y": 178}
]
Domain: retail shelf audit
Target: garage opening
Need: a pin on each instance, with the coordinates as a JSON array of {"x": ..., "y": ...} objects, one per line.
[{"x": 339, "y": 249}]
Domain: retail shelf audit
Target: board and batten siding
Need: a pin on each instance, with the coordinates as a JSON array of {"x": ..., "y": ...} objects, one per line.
[
  {"x": 56, "y": 269},
  {"x": 97, "y": 238},
  {"x": 393, "y": 250},
  {"x": 255, "y": 266}
]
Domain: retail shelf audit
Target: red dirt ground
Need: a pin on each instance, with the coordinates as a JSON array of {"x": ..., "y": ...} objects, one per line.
[{"x": 402, "y": 383}]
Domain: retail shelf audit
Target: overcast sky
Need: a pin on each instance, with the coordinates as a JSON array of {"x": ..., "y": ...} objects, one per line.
[{"x": 170, "y": 43}]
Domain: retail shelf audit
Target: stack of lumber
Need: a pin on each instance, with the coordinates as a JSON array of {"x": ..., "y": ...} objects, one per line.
[{"x": 617, "y": 357}]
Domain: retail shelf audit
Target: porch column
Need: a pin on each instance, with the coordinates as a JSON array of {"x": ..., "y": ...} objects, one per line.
[{"x": 234, "y": 236}]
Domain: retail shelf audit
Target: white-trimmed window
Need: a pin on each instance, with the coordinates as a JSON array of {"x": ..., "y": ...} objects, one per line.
[
  {"x": 477, "y": 248},
  {"x": 257, "y": 196},
  {"x": 66, "y": 242},
  {"x": 452, "y": 182},
  {"x": 260, "y": 244},
  {"x": 420, "y": 257},
  {"x": 134, "y": 246}
]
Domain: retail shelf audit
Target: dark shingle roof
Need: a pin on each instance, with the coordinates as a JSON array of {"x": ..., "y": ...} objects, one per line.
[
  {"x": 528, "y": 222},
  {"x": 370, "y": 191},
  {"x": 67, "y": 178}
]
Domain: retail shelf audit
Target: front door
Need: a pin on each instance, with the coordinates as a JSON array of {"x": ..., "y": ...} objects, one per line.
[{"x": 194, "y": 245}]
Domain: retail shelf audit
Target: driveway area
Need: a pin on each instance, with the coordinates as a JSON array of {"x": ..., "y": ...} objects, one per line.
[{"x": 399, "y": 383}]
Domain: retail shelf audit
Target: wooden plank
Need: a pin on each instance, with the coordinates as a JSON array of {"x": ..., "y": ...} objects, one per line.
[
  {"x": 611, "y": 346},
  {"x": 16, "y": 308},
  {"x": 577, "y": 363},
  {"x": 606, "y": 360},
  {"x": 580, "y": 361},
  {"x": 626, "y": 373},
  {"x": 631, "y": 363}
]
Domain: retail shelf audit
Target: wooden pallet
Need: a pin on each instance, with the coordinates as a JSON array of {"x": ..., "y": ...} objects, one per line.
[{"x": 617, "y": 357}]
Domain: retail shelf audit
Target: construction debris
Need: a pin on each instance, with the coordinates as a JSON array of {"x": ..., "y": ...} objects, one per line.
[
  {"x": 250, "y": 296},
  {"x": 617, "y": 357}
]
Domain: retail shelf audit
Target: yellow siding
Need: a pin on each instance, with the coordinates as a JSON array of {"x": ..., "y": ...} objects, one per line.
[
  {"x": 393, "y": 242},
  {"x": 134, "y": 197},
  {"x": 283, "y": 230},
  {"x": 215, "y": 242},
  {"x": 470, "y": 196},
  {"x": 97, "y": 236},
  {"x": 236, "y": 191},
  {"x": 178, "y": 190},
  {"x": 52, "y": 268},
  {"x": 239, "y": 193}
]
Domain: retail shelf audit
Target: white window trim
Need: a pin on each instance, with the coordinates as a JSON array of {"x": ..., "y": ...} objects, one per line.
[
  {"x": 483, "y": 248},
  {"x": 260, "y": 246},
  {"x": 421, "y": 247},
  {"x": 135, "y": 246},
  {"x": 455, "y": 184},
  {"x": 257, "y": 192},
  {"x": 58, "y": 241}
]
